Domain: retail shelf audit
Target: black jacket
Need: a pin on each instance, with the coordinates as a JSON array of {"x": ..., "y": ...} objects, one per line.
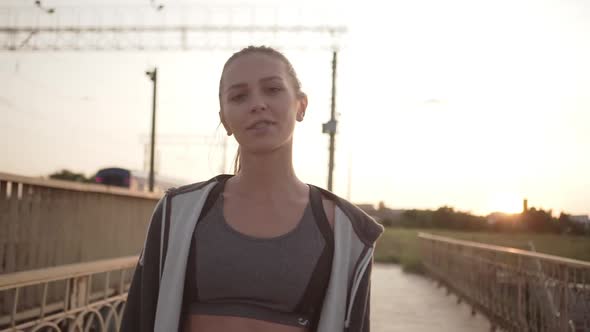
[{"x": 155, "y": 298}]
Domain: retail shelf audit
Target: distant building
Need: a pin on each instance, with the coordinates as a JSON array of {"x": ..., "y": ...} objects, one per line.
[
  {"x": 501, "y": 217},
  {"x": 367, "y": 208},
  {"x": 582, "y": 219},
  {"x": 495, "y": 217},
  {"x": 388, "y": 214},
  {"x": 382, "y": 213}
]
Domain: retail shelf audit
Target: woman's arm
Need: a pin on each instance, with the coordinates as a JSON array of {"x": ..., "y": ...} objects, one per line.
[
  {"x": 360, "y": 320},
  {"x": 140, "y": 309}
]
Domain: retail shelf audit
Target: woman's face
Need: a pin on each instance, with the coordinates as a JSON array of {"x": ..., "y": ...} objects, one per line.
[{"x": 259, "y": 104}]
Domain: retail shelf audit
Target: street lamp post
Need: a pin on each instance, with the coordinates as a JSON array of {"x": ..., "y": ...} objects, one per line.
[
  {"x": 330, "y": 126},
  {"x": 153, "y": 75}
]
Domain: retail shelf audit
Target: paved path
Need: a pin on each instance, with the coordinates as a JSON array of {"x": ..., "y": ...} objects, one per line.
[{"x": 406, "y": 302}]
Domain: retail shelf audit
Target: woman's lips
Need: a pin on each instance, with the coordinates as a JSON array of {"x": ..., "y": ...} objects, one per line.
[{"x": 260, "y": 125}]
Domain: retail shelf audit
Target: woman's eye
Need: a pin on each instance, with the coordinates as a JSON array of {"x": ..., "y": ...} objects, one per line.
[
  {"x": 274, "y": 89},
  {"x": 238, "y": 97}
]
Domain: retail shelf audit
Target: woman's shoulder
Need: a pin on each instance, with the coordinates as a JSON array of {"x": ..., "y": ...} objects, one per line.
[
  {"x": 342, "y": 203},
  {"x": 364, "y": 225}
]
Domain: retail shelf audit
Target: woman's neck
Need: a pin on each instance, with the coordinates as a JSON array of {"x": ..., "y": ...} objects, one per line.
[{"x": 268, "y": 174}]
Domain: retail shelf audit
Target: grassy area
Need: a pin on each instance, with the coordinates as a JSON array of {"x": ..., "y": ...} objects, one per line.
[{"x": 400, "y": 245}]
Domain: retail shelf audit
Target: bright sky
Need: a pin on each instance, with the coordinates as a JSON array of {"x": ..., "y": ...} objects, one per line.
[{"x": 472, "y": 104}]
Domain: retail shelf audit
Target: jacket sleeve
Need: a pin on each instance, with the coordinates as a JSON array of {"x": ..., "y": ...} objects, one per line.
[
  {"x": 142, "y": 298},
  {"x": 360, "y": 320}
]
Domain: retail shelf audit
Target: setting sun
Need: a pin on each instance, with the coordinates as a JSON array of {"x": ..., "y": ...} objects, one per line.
[{"x": 505, "y": 202}]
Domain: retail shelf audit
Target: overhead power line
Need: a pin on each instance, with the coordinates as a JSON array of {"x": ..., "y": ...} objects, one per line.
[{"x": 175, "y": 28}]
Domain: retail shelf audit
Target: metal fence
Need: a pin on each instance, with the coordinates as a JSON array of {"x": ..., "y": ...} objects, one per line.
[
  {"x": 516, "y": 289},
  {"x": 47, "y": 223},
  {"x": 76, "y": 297}
]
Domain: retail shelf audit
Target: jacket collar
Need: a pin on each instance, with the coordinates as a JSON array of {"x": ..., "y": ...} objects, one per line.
[{"x": 365, "y": 227}]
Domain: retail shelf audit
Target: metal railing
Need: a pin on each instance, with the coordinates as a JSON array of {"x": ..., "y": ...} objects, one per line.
[
  {"x": 76, "y": 297},
  {"x": 517, "y": 290},
  {"x": 46, "y": 223}
]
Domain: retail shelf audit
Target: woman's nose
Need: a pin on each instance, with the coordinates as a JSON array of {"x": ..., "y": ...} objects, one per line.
[{"x": 258, "y": 104}]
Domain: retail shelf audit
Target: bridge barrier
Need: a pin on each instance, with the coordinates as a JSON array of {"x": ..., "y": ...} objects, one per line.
[
  {"x": 75, "y": 297},
  {"x": 517, "y": 290},
  {"x": 46, "y": 223}
]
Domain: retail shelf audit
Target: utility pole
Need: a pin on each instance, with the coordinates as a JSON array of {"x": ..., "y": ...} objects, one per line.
[
  {"x": 349, "y": 176},
  {"x": 330, "y": 126},
  {"x": 153, "y": 75}
]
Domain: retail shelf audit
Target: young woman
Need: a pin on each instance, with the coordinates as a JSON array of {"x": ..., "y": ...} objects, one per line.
[{"x": 260, "y": 250}]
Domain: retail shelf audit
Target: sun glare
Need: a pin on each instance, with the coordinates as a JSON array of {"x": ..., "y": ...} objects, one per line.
[{"x": 505, "y": 202}]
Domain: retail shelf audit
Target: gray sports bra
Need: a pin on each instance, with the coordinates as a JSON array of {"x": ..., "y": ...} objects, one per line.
[{"x": 281, "y": 279}]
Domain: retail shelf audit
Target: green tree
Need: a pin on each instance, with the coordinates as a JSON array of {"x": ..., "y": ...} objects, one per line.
[{"x": 68, "y": 175}]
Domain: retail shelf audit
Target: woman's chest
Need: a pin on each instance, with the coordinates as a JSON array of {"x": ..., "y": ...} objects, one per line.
[
  {"x": 231, "y": 264},
  {"x": 262, "y": 220}
]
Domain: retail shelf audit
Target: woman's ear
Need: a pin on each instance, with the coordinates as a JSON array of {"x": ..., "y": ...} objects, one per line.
[
  {"x": 225, "y": 126},
  {"x": 301, "y": 107}
]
